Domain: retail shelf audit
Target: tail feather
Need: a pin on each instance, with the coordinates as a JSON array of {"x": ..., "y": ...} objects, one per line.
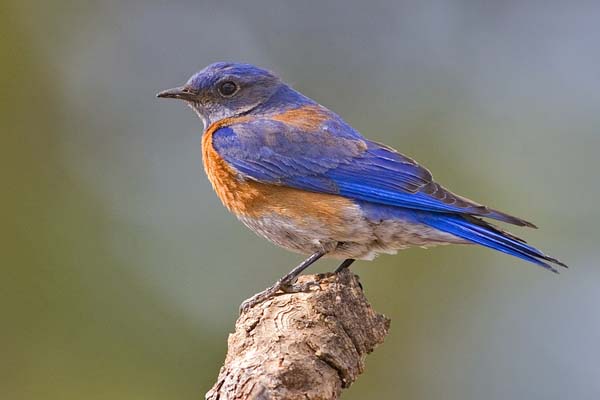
[
  {"x": 511, "y": 219},
  {"x": 480, "y": 232}
]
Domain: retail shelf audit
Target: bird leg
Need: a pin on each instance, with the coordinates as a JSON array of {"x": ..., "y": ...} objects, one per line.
[
  {"x": 285, "y": 283},
  {"x": 345, "y": 264},
  {"x": 295, "y": 288}
]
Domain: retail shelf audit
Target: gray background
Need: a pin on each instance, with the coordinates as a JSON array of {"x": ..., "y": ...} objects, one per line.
[{"x": 122, "y": 273}]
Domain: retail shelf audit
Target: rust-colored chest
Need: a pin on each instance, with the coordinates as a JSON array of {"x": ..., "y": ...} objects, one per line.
[
  {"x": 236, "y": 194},
  {"x": 248, "y": 198}
]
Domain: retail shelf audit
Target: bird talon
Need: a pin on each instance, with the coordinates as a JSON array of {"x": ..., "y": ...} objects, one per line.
[
  {"x": 300, "y": 287},
  {"x": 270, "y": 292},
  {"x": 247, "y": 305},
  {"x": 258, "y": 298}
]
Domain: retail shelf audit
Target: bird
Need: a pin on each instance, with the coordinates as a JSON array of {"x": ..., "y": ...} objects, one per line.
[{"x": 298, "y": 175}]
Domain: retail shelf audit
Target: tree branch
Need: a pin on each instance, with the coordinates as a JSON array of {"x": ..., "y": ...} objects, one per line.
[{"x": 307, "y": 345}]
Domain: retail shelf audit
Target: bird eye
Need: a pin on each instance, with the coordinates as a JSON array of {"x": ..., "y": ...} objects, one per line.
[{"x": 228, "y": 88}]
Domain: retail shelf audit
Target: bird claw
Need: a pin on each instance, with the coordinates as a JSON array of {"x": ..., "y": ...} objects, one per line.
[
  {"x": 270, "y": 292},
  {"x": 300, "y": 287},
  {"x": 258, "y": 298}
]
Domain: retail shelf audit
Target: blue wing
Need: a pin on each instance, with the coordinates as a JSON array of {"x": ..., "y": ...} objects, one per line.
[{"x": 333, "y": 158}]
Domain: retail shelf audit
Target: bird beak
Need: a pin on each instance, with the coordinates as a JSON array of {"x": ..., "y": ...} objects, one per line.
[{"x": 181, "y": 93}]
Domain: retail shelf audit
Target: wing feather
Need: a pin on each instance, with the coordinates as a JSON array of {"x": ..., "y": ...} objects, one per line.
[{"x": 335, "y": 159}]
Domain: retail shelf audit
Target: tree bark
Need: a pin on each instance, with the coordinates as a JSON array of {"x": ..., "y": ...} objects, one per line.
[{"x": 307, "y": 345}]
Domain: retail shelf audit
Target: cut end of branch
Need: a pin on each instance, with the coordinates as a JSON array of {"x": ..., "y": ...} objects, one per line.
[{"x": 306, "y": 345}]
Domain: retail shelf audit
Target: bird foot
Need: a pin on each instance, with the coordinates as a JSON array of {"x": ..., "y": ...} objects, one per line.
[
  {"x": 259, "y": 298},
  {"x": 271, "y": 291},
  {"x": 300, "y": 287}
]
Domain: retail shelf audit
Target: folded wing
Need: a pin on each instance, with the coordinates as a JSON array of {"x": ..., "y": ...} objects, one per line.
[{"x": 335, "y": 159}]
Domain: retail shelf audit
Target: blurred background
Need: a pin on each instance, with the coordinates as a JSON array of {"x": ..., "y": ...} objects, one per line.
[{"x": 122, "y": 272}]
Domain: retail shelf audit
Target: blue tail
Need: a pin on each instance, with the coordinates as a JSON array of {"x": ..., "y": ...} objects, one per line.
[{"x": 478, "y": 231}]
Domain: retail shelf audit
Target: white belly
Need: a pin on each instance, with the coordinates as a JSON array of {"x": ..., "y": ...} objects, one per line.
[{"x": 359, "y": 238}]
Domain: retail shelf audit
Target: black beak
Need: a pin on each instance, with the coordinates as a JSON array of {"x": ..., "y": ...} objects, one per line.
[{"x": 181, "y": 93}]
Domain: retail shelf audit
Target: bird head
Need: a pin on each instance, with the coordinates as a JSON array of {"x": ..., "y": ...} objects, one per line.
[{"x": 224, "y": 90}]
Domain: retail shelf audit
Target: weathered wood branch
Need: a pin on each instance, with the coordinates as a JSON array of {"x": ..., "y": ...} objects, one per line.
[{"x": 307, "y": 345}]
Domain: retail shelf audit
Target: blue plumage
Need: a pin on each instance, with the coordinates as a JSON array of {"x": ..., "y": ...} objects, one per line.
[
  {"x": 337, "y": 160},
  {"x": 485, "y": 234}
]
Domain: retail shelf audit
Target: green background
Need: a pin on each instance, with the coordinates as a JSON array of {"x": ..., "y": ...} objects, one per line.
[{"x": 122, "y": 273}]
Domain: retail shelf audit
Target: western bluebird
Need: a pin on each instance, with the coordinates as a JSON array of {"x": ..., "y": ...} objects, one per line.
[{"x": 298, "y": 175}]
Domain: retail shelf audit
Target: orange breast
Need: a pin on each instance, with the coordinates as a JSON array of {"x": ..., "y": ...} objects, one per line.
[{"x": 249, "y": 198}]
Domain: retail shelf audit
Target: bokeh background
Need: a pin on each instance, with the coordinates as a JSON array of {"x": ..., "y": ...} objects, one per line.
[{"x": 122, "y": 273}]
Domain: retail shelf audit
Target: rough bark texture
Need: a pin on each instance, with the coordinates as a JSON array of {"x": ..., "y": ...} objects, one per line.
[{"x": 301, "y": 346}]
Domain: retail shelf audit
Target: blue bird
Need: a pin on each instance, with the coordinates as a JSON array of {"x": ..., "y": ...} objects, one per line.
[{"x": 298, "y": 175}]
